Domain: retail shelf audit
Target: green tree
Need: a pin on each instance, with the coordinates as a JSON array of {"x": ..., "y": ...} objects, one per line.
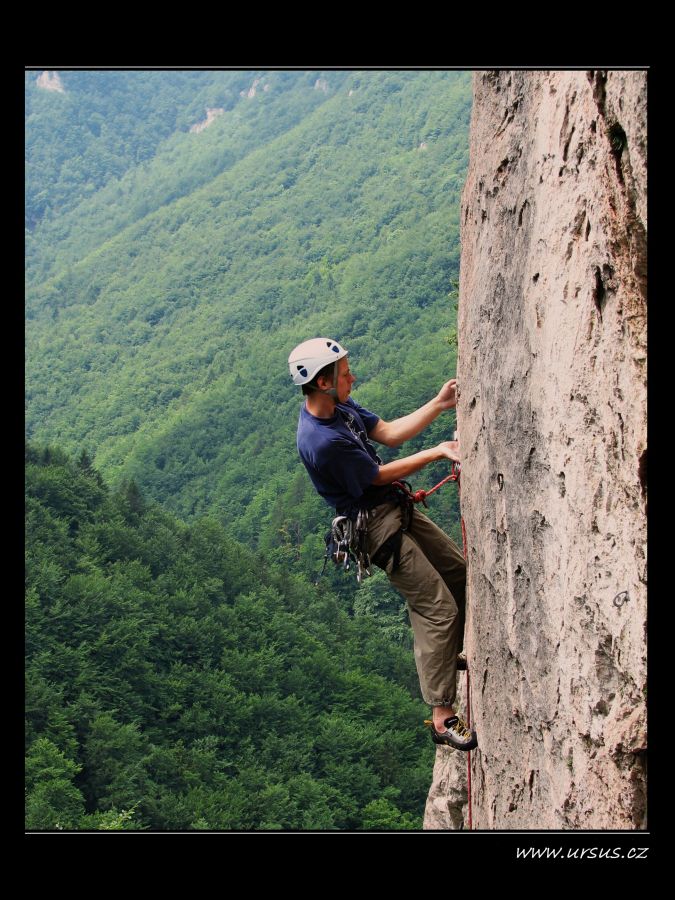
[
  {"x": 382, "y": 815},
  {"x": 52, "y": 800},
  {"x": 114, "y": 763}
]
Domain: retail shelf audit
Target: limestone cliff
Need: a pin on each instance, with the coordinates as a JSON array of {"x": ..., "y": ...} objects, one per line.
[
  {"x": 50, "y": 82},
  {"x": 552, "y": 424},
  {"x": 211, "y": 116}
]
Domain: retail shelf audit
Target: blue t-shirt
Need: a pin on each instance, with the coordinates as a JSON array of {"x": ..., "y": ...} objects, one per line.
[{"x": 340, "y": 459}]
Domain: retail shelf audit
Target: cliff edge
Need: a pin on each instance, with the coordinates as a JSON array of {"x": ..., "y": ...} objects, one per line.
[{"x": 552, "y": 418}]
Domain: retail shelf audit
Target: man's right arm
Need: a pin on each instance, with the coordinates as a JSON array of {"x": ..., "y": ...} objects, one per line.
[{"x": 400, "y": 468}]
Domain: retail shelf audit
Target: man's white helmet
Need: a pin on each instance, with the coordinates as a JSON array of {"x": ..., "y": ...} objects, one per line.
[{"x": 311, "y": 356}]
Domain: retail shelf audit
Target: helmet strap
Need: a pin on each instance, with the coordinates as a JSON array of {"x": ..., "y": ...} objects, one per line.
[{"x": 331, "y": 392}]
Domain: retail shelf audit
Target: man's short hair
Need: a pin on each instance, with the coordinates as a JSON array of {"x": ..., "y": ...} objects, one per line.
[{"x": 312, "y": 385}]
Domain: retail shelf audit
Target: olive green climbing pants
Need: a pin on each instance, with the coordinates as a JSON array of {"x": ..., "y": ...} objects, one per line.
[{"x": 432, "y": 577}]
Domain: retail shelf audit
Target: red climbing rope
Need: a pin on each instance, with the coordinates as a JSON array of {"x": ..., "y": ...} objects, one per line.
[
  {"x": 420, "y": 497},
  {"x": 468, "y": 683}
]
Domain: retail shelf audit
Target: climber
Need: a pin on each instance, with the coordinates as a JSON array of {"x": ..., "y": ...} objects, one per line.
[{"x": 420, "y": 560}]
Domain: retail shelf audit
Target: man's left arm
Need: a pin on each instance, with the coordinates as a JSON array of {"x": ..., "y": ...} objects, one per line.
[{"x": 391, "y": 434}]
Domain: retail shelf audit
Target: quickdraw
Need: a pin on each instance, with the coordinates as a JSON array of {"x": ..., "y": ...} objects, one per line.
[
  {"x": 421, "y": 496},
  {"x": 346, "y": 543}
]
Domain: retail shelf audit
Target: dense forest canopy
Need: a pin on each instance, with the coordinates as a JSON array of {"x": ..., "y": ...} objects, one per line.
[{"x": 177, "y": 680}]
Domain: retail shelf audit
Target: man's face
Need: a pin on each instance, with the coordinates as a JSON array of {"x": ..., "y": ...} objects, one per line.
[{"x": 344, "y": 382}]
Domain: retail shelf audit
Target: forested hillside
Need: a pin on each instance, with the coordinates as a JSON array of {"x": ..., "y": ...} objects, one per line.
[
  {"x": 177, "y": 680},
  {"x": 184, "y": 231},
  {"x": 171, "y": 272},
  {"x": 130, "y": 133}
]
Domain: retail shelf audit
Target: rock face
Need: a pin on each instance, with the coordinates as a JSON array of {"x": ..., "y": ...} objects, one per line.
[
  {"x": 552, "y": 423},
  {"x": 50, "y": 82},
  {"x": 251, "y": 92},
  {"x": 446, "y": 806},
  {"x": 211, "y": 116}
]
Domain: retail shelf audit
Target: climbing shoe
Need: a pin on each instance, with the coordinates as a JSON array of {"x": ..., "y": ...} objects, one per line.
[{"x": 457, "y": 734}]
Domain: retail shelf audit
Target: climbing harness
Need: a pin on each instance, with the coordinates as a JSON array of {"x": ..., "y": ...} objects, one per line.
[
  {"x": 346, "y": 541},
  {"x": 407, "y": 498}
]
